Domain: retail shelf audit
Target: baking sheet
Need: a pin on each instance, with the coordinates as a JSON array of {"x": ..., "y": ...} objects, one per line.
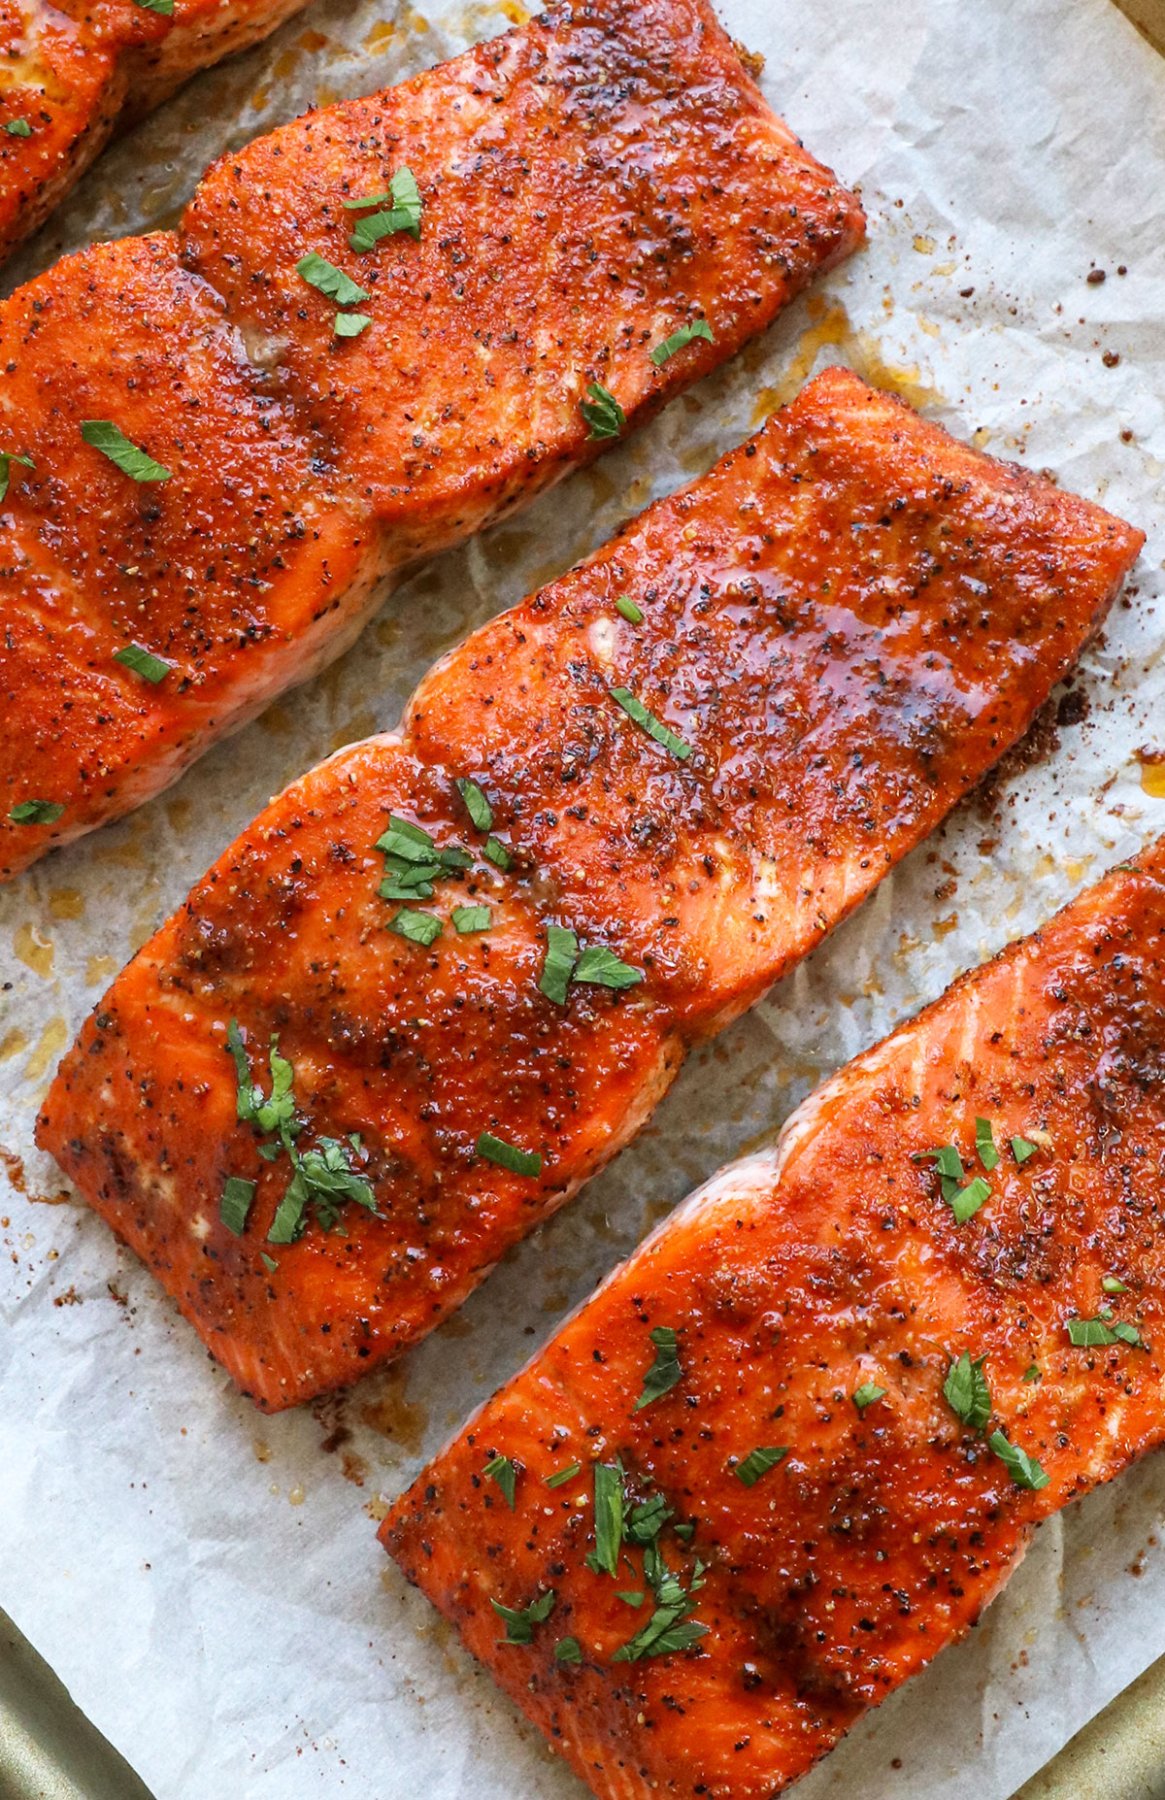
[{"x": 207, "y": 1582}]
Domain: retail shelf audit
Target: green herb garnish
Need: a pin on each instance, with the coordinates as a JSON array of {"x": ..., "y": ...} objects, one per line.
[
  {"x": 1032, "y": 1373},
  {"x": 985, "y": 1144},
  {"x": 655, "y": 728},
  {"x": 418, "y": 927},
  {"x": 324, "y": 1178},
  {"x": 405, "y": 206},
  {"x": 568, "y": 1650},
  {"x": 679, "y": 340},
  {"x": 269, "y": 1262},
  {"x": 350, "y": 325},
  {"x": 18, "y": 128},
  {"x": 1112, "y": 1284},
  {"x": 508, "y": 1156},
  {"x": 471, "y": 918},
  {"x": 7, "y": 458},
  {"x": 967, "y": 1201},
  {"x": 235, "y": 1204},
  {"x": 142, "y": 662},
  {"x": 627, "y": 607},
  {"x": 669, "y": 1629},
  {"x": 602, "y": 411},
  {"x": 495, "y": 851},
  {"x": 164, "y": 7},
  {"x": 36, "y": 812},
  {"x": 558, "y": 967},
  {"x": 520, "y": 1621},
  {"x": 602, "y": 968},
  {"x": 476, "y": 804},
  {"x": 1021, "y": 1149},
  {"x": 604, "y": 1558},
  {"x": 758, "y": 1462},
  {"x": 562, "y": 1476},
  {"x": 104, "y": 435},
  {"x": 867, "y": 1394},
  {"x": 665, "y": 1371},
  {"x": 1092, "y": 1333},
  {"x": 1024, "y": 1470},
  {"x": 503, "y": 1471},
  {"x": 319, "y": 273},
  {"x": 966, "y": 1392}
]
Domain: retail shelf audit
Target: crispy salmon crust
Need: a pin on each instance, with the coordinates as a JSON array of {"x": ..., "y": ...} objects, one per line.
[
  {"x": 827, "y": 1268},
  {"x": 73, "y": 70},
  {"x": 843, "y": 625},
  {"x": 588, "y": 185}
]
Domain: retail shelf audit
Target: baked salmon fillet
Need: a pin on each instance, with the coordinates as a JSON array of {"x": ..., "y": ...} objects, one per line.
[
  {"x": 463, "y": 962},
  {"x": 377, "y": 329},
  {"x": 70, "y": 71},
  {"x": 795, "y": 1445}
]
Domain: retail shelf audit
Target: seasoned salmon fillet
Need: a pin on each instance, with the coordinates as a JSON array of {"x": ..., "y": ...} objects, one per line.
[
  {"x": 795, "y": 1445},
  {"x": 613, "y": 817},
  {"x": 376, "y": 330},
  {"x": 71, "y": 70}
]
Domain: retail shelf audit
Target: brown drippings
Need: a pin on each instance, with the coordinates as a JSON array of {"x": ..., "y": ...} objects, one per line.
[
  {"x": 33, "y": 950},
  {"x": 832, "y": 327},
  {"x": 52, "y": 1041},
  {"x": 395, "y": 1416},
  {"x": 353, "y": 1467},
  {"x": 70, "y": 1297}
]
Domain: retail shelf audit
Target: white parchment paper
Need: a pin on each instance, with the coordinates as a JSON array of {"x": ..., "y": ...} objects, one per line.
[{"x": 207, "y": 1582}]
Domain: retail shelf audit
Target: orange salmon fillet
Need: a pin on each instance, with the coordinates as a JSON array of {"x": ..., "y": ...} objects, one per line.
[
  {"x": 842, "y": 626},
  {"x": 70, "y": 71},
  {"x": 860, "y": 1408},
  {"x": 584, "y": 189}
]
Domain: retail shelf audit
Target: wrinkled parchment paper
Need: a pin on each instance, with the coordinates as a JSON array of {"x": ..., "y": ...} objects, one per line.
[{"x": 207, "y": 1582}]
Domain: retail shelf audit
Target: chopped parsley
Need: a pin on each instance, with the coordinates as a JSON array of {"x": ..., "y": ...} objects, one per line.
[
  {"x": 503, "y": 1471},
  {"x": 966, "y": 1392},
  {"x": 18, "y": 128},
  {"x": 1092, "y": 1333},
  {"x": 418, "y": 927},
  {"x": 602, "y": 411},
  {"x": 471, "y": 918},
  {"x": 604, "y": 1558},
  {"x": 319, "y": 273},
  {"x": 1112, "y": 1284},
  {"x": 404, "y": 208},
  {"x": 602, "y": 968},
  {"x": 104, "y": 435},
  {"x": 647, "y": 1520},
  {"x": 758, "y": 1462},
  {"x": 627, "y": 607},
  {"x": 142, "y": 662},
  {"x": 164, "y": 7},
  {"x": 1024, "y": 1470},
  {"x": 476, "y": 804},
  {"x": 558, "y": 967},
  {"x": 269, "y": 1262},
  {"x": 1032, "y": 1373},
  {"x": 568, "y": 1650},
  {"x": 235, "y": 1204},
  {"x": 655, "y": 728},
  {"x": 7, "y": 458},
  {"x": 562, "y": 1476},
  {"x": 350, "y": 325},
  {"x": 964, "y": 1201},
  {"x": 495, "y": 851},
  {"x": 985, "y": 1144},
  {"x": 665, "y": 1371},
  {"x": 1021, "y": 1149},
  {"x": 508, "y": 1156},
  {"x": 679, "y": 340},
  {"x": 36, "y": 812},
  {"x": 631, "y": 1596},
  {"x": 520, "y": 1621},
  {"x": 669, "y": 1628},
  {"x": 867, "y": 1394}
]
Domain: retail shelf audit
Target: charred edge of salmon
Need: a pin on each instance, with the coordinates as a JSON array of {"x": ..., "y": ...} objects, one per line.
[
  {"x": 885, "y": 1529},
  {"x": 78, "y": 109}
]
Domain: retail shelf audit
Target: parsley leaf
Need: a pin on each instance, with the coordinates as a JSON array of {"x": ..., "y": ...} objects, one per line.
[
  {"x": 502, "y": 1470},
  {"x": 324, "y": 1178},
  {"x": 418, "y": 927},
  {"x": 602, "y": 968},
  {"x": 471, "y": 918},
  {"x": 142, "y": 662},
  {"x": 1024, "y": 1470},
  {"x": 867, "y": 1394},
  {"x": 985, "y": 1144},
  {"x": 319, "y": 273},
  {"x": 655, "y": 728},
  {"x": 404, "y": 199},
  {"x": 18, "y": 128},
  {"x": 495, "y": 852},
  {"x": 557, "y": 969},
  {"x": 36, "y": 812},
  {"x": 679, "y": 340},
  {"x": 665, "y": 1371},
  {"x": 1021, "y": 1149},
  {"x": 508, "y": 1156},
  {"x": 602, "y": 411},
  {"x": 562, "y": 1476},
  {"x": 966, "y": 1392},
  {"x": 1112, "y": 1284},
  {"x": 350, "y": 325},
  {"x": 627, "y": 607},
  {"x": 1090, "y": 1333},
  {"x": 164, "y": 7},
  {"x": 669, "y": 1629},
  {"x": 476, "y": 804},
  {"x": 604, "y": 1559},
  {"x": 758, "y": 1462},
  {"x": 7, "y": 458},
  {"x": 520, "y": 1621},
  {"x": 235, "y": 1204},
  {"x": 1032, "y": 1373},
  {"x": 568, "y": 1650},
  {"x": 104, "y": 435}
]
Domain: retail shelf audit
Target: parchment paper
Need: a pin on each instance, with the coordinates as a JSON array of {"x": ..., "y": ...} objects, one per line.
[{"x": 208, "y": 1583}]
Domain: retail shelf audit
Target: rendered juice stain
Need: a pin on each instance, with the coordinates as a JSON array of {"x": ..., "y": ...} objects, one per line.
[
  {"x": 13, "y": 1043},
  {"x": 100, "y": 969},
  {"x": 1153, "y": 778},
  {"x": 33, "y": 950},
  {"x": 52, "y": 1040},
  {"x": 67, "y": 903},
  {"x": 832, "y": 327},
  {"x": 394, "y": 1415}
]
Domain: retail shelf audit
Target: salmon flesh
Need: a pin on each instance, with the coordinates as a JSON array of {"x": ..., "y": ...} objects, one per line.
[{"x": 795, "y": 1445}]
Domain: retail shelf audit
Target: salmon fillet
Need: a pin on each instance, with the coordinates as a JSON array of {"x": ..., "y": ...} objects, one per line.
[
  {"x": 858, "y": 1407},
  {"x": 70, "y": 71},
  {"x": 842, "y": 626},
  {"x": 563, "y": 201}
]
